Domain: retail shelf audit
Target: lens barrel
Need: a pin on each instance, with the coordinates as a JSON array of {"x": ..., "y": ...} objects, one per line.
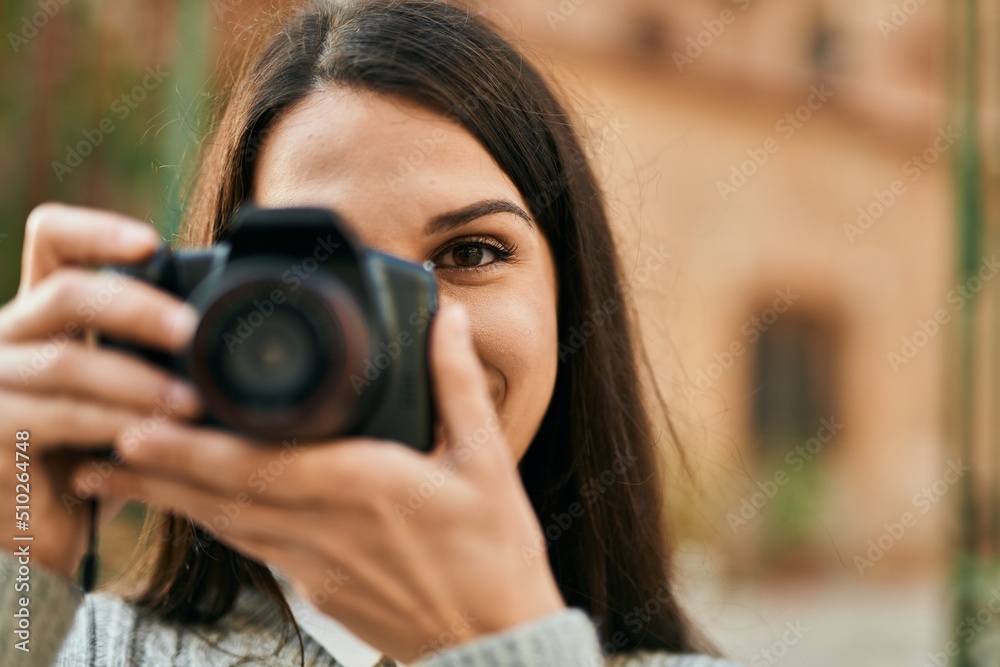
[{"x": 273, "y": 359}]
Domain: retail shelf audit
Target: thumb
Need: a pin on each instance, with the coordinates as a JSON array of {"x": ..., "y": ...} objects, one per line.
[{"x": 461, "y": 392}]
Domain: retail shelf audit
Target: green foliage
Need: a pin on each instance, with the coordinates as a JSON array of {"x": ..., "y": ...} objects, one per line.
[
  {"x": 78, "y": 89},
  {"x": 790, "y": 521}
]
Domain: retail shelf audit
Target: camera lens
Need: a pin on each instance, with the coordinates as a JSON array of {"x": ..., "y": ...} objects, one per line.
[
  {"x": 275, "y": 361},
  {"x": 281, "y": 360}
]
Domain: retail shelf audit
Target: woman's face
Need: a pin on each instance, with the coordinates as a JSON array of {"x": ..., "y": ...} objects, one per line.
[{"x": 412, "y": 184}]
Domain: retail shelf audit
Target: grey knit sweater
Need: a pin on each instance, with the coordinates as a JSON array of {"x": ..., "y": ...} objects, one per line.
[{"x": 67, "y": 628}]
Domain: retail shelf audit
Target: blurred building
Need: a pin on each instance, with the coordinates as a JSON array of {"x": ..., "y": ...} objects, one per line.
[
  {"x": 779, "y": 180},
  {"x": 793, "y": 160},
  {"x": 778, "y": 174}
]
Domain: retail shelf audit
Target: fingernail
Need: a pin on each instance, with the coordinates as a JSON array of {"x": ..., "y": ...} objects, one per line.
[
  {"x": 183, "y": 397},
  {"x": 182, "y": 323},
  {"x": 139, "y": 235},
  {"x": 82, "y": 490}
]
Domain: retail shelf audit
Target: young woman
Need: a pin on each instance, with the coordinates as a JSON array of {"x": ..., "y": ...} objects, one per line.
[{"x": 437, "y": 142}]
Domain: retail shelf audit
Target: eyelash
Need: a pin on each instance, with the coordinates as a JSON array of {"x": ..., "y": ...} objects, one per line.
[{"x": 504, "y": 253}]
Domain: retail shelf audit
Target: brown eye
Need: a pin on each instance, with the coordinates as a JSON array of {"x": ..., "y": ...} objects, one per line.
[
  {"x": 469, "y": 255},
  {"x": 475, "y": 254}
]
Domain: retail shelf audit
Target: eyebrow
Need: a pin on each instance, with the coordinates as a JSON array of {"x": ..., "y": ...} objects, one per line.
[{"x": 452, "y": 219}]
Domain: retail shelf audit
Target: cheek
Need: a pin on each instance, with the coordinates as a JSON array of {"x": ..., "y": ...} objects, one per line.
[{"x": 516, "y": 335}]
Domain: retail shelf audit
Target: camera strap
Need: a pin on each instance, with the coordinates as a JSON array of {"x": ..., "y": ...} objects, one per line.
[{"x": 88, "y": 568}]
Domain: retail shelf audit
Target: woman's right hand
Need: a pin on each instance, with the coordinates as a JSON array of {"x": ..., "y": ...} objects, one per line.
[{"x": 68, "y": 396}]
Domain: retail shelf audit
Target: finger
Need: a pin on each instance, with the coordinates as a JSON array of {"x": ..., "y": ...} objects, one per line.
[
  {"x": 65, "y": 421},
  {"x": 98, "y": 374},
  {"x": 460, "y": 389},
  {"x": 72, "y": 299},
  {"x": 219, "y": 514},
  {"x": 56, "y": 235},
  {"x": 306, "y": 476},
  {"x": 217, "y": 461}
]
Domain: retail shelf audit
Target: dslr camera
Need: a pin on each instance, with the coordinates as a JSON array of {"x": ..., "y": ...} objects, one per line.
[{"x": 303, "y": 332}]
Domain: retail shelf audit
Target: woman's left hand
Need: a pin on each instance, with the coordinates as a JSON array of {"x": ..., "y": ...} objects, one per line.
[{"x": 410, "y": 551}]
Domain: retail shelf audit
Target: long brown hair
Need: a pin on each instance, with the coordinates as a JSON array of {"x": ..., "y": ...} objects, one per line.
[{"x": 592, "y": 471}]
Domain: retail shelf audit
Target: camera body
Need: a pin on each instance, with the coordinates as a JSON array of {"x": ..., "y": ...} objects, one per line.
[{"x": 303, "y": 331}]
